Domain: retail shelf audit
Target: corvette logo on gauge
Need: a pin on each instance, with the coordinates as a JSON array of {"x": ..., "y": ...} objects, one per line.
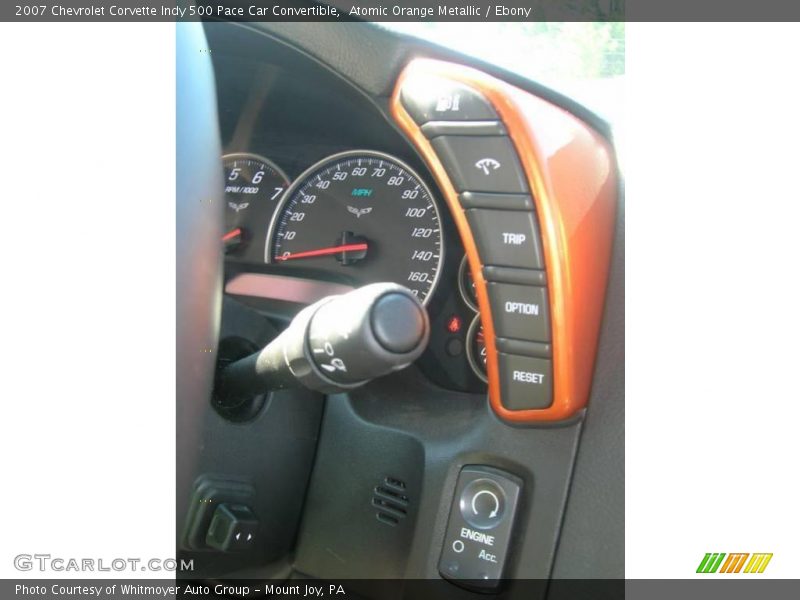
[
  {"x": 322, "y": 223},
  {"x": 359, "y": 212}
]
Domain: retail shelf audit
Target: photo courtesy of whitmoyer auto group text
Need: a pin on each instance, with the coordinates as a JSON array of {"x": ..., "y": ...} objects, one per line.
[{"x": 332, "y": 299}]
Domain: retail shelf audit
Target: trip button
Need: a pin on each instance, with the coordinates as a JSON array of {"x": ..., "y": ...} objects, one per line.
[
  {"x": 525, "y": 382},
  {"x": 481, "y": 163},
  {"x": 506, "y": 238},
  {"x": 430, "y": 98},
  {"x": 520, "y": 311}
]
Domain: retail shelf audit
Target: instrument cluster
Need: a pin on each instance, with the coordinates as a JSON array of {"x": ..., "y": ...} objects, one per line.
[{"x": 323, "y": 195}]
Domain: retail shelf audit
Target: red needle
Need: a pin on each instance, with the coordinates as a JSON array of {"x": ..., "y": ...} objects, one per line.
[
  {"x": 324, "y": 251},
  {"x": 232, "y": 234}
]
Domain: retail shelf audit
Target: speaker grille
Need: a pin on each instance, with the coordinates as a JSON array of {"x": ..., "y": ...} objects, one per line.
[{"x": 390, "y": 501}]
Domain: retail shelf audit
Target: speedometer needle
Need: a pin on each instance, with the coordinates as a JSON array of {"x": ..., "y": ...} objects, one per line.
[{"x": 325, "y": 251}]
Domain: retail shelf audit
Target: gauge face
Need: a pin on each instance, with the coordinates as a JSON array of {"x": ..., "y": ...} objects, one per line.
[
  {"x": 467, "y": 286},
  {"x": 363, "y": 216},
  {"x": 253, "y": 187},
  {"x": 476, "y": 348}
]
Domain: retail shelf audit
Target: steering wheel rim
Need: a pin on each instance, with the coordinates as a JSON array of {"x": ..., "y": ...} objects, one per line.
[{"x": 199, "y": 227}]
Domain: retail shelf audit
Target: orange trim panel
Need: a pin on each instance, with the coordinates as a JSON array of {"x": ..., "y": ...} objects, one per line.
[{"x": 572, "y": 176}]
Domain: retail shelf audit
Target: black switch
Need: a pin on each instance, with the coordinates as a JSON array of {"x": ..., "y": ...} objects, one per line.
[
  {"x": 481, "y": 163},
  {"x": 438, "y": 99},
  {"x": 526, "y": 382},
  {"x": 507, "y": 238},
  {"x": 233, "y": 528},
  {"x": 482, "y": 503},
  {"x": 520, "y": 311},
  {"x": 479, "y": 527}
]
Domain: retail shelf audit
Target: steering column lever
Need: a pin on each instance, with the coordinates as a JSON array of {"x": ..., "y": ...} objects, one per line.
[{"x": 336, "y": 344}]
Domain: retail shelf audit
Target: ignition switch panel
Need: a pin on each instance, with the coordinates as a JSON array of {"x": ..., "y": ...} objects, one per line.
[{"x": 479, "y": 527}]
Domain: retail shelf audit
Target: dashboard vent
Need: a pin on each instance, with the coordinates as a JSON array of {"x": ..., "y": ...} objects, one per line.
[{"x": 391, "y": 501}]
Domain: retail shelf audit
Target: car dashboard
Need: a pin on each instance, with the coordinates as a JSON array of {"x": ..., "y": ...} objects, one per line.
[{"x": 351, "y": 155}]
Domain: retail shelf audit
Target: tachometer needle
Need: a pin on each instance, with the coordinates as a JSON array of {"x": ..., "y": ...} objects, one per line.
[
  {"x": 362, "y": 247},
  {"x": 232, "y": 235}
]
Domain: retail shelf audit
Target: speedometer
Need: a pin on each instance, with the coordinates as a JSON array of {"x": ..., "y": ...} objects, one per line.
[{"x": 364, "y": 217}]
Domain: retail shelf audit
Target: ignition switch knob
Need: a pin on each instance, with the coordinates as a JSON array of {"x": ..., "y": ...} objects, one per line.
[{"x": 336, "y": 344}]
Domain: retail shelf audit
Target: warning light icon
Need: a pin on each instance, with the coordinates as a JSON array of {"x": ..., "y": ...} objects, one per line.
[{"x": 454, "y": 324}]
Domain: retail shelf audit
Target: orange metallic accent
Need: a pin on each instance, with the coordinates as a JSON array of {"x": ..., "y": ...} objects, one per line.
[
  {"x": 740, "y": 564},
  {"x": 571, "y": 172},
  {"x": 732, "y": 558}
]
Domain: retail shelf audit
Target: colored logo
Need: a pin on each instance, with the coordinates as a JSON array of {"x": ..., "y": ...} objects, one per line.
[{"x": 717, "y": 562}]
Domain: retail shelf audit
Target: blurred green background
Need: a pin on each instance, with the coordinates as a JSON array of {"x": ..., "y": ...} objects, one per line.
[{"x": 585, "y": 61}]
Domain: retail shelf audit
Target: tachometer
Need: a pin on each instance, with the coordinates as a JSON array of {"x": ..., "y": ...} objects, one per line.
[
  {"x": 253, "y": 187},
  {"x": 476, "y": 348},
  {"x": 365, "y": 216}
]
